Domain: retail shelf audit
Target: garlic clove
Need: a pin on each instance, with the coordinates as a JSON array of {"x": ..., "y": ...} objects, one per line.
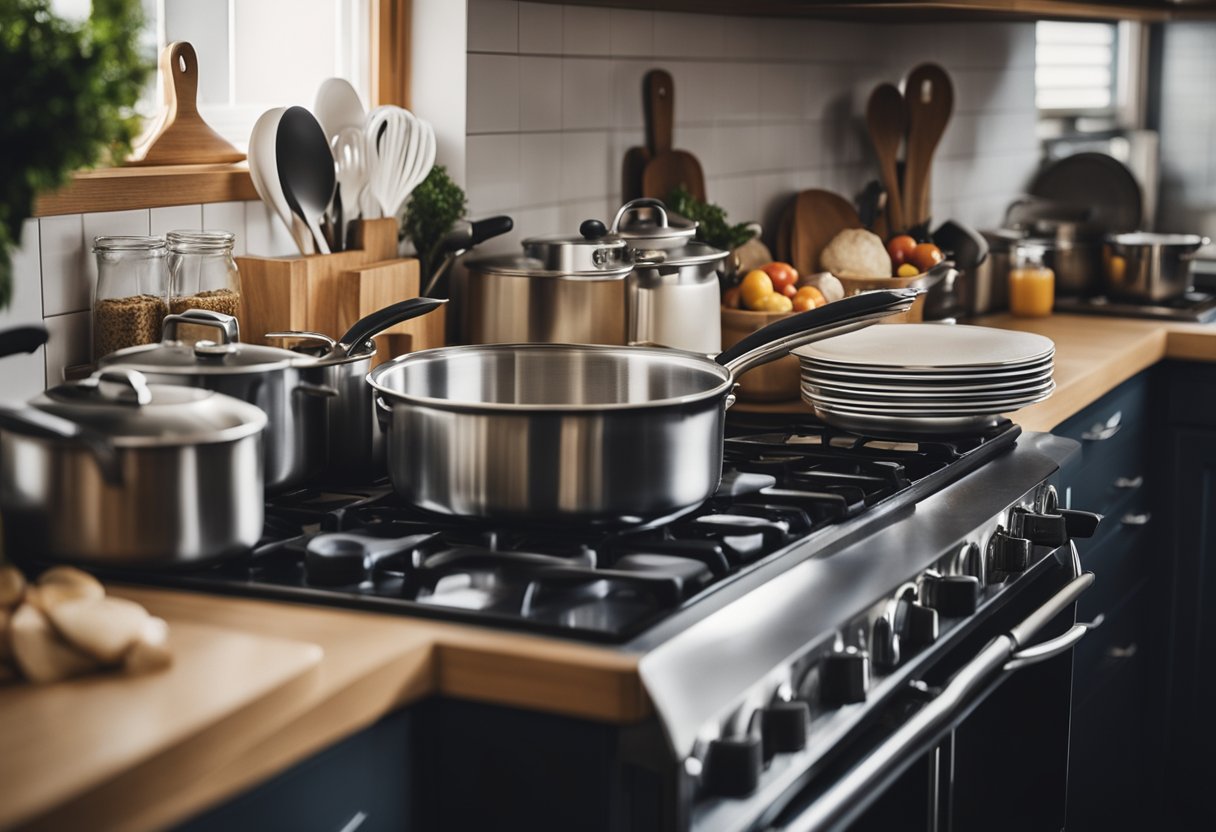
[
  {"x": 102, "y": 627},
  {"x": 151, "y": 650},
  {"x": 65, "y": 583},
  {"x": 40, "y": 653},
  {"x": 12, "y": 586}
]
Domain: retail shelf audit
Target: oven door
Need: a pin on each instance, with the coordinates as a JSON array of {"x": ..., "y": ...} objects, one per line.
[{"x": 978, "y": 742}]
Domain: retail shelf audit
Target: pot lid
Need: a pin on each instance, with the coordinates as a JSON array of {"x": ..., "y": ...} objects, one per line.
[
  {"x": 646, "y": 223},
  {"x": 119, "y": 404},
  {"x": 590, "y": 253},
  {"x": 223, "y": 356},
  {"x": 690, "y": 254}
]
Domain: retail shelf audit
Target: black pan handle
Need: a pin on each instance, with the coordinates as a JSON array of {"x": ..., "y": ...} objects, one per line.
[
  {"x": 489, "y": 228},
  {"x": 22, "y": 339},
  {"x": 382, "y": 319},
  {"x": 779, "y": 337}
]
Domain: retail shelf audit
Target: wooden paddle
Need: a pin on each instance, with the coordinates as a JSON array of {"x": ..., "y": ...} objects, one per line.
[
  {"x": 887, "y": 120},
  {"x": 668, "y": 168},
  {"x": 634, "y": 163},
  {"x": 818, "y": 217},
  {"x": 929, "y": 95}
]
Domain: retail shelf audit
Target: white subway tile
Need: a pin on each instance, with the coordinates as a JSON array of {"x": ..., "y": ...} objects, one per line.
[
  {"x": 572, "y": 214},
  {"x": 540, "y": 29},
  {"x": 540, "y": 168},
  {"x": 696, "y": 94},
  {"x": 587, "y": 93},
  {"x": 738, "y": 149},
  {"x": 631, "y": 32},
  {"x": 25, "y": 306},
  {"x": 493, "y": 26},
  {"x": 177, "y": 217},
  {"x": 533, "y": 222},
  {"x": 23, "y": 376},
  {"x": 736, "y": 195},
  {"x": 736, "y": 95},
  {"x": 781, "y": 92},
  {"x": 68, "y": 345},
  {"x": 742, "y": 38},
  {"x": 228, "y": 216},
  {"x": 65, "y": 284},
  {"x": 493, "y": 93},
  {"x": 493, "y": 171},
  {"x": 586, "y": 30},
  {"x": 688, "y": 35},
  {"x": 265, "y": 234},
  {"x": 588, "y": 167},
  {"x": 773, "y": 192},
  {"x": 628, "y": 78},
  {"x": 540, "y": 93},
  {"x": 706, "y": 144}
]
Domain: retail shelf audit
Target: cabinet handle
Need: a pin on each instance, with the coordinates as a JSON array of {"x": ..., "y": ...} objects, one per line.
[
  {"x": 1122, "y": 653},
  {"x": 1103, "y": 431},
  {"x": 1134, "y": 519},
  {"x": 355, "y": 822},
  {"x": 1129, "y": 482}
]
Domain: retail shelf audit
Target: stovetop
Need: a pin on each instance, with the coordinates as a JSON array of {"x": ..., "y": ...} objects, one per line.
[
  {"x": 787, "y": 481},
  {"x": 1195, "y": 307}
]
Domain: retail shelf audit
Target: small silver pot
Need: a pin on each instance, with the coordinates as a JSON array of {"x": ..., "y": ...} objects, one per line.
[
  {"x": 286, "y": 386},
  {"x": 1148, "y": 267},
  {"x": 113, "y": 470}
]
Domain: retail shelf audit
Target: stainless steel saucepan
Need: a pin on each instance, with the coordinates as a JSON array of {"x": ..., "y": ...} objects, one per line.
[{"x": 583, "y": 433}]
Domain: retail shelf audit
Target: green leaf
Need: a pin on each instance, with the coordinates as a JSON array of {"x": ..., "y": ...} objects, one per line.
[
  {"x": 431, "y": 211},
  {"x": 712, "y": 226}
]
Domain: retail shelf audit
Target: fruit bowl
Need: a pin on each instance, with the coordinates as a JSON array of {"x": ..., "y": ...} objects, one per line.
[
  {"x": 924, "y": 281},
  {"x": 776, "y": 381}
]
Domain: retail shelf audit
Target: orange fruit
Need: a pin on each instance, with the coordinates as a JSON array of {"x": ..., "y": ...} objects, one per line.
[
  {"x": 808, "y": 297},
  {"x": 925, "y": 256}
]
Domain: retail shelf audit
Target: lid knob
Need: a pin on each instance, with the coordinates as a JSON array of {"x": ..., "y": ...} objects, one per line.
[{"x": 592, "y": 229}]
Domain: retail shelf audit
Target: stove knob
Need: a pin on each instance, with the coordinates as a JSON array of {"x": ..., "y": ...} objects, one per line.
[
  {"x": 783, "y": 727},
  {"x": 844, "y": 678},
  {"x": 1081, "y": 525},
  {"x": 884, "y": 644},
  {"x": 954, "y": 596},
  {"x": 1041, "y": 529},
  {"x": 733, "y": 766},
  {"x": 1010, "y": 555},
  {"x": 920, "y": 626}
]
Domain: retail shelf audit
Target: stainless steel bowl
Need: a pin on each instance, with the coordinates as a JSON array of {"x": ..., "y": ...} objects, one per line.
[{"x": 1148, "y": 267}]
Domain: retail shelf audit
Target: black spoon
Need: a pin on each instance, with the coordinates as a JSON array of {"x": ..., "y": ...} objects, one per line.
[{"x": 307, "y": 172}]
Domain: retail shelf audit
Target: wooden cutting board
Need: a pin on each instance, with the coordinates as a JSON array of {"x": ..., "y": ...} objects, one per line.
[
  {"x": 818, "y": 217},
  {"x": 97, "y": 727},
  {"x": 633, "y": 166},
  {"x": 668, "y": 168}
]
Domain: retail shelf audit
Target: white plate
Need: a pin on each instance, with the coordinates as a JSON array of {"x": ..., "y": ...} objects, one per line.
[
  {"x": 866, "y": 374},
  {"x": 935, "y": 389},
  {"x": 901, "y": 427},
  {"x": 924, "y": 408},
  {"x": 929, "y": 347},
  {"x": 978, "y": 394}
]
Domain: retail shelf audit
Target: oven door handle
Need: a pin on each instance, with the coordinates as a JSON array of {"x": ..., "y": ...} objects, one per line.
[{"x": 843, "y": 800}]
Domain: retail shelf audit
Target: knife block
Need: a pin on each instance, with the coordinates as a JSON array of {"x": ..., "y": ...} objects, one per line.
[{"x": 327, "y": 293}]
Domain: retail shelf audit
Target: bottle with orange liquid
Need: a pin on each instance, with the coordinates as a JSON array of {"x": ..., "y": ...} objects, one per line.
[{"x": 1032, "y": 285}]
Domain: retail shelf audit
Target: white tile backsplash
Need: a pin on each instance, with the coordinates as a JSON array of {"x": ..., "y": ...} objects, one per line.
[
  {"x": 586, "y": 30},
  {"x": 23, "y": 376},
  {"x": 227, "y": 216},
  {"x": 540, "y": 93},
  {"x": 493, "y": 97},
  {"x": 175, "y": 218},
  {"x": 68, "y": 344},
  {"x": 631, "y": 32},
  {"x": 587, "y": 86},
  {"x": 540, "y": 29},
  {"x": 493, "y": 26},
  {"x": 26, "y": 304},
  {"x": 106, "y": 223},
  {"x": 61, "y": 242},
  {"x": 493, "y": 172}
]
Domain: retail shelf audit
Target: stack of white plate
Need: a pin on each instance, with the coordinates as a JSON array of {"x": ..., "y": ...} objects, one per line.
[{"x": 924, "y": 378}]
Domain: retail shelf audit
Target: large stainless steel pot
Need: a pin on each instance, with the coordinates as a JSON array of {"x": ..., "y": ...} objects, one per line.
[
  {"x": 114, "y": 470},
  {"x": 673, "y": 295},
  {"x": 560, "y": 432},
  {"x": 562, "y": 290},
  {"x": 283, "y": 384},
  {"x": 354, "y": 438},
  {"x": 1149, "y": 267}
]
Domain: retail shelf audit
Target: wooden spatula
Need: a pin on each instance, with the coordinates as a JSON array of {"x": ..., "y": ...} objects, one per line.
[
  {"x": 887, "y": 120},
  {"x": 183, "y": 138},
  {"x": 818, "y": 217},
  {"x": 668, "y": 168},
  {"x": 930, "y": 98}
]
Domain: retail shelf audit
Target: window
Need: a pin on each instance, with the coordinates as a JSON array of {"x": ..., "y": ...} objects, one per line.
[{"x": 1076, "y": 68}]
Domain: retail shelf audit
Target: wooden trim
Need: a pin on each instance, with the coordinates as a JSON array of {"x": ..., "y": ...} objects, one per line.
[
  {"x": 914, "y": 11},
  {"x": 391, "y": 30},
  {"x": 124, "y": 189}
]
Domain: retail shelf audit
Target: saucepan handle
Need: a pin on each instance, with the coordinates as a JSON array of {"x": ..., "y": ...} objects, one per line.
[
  {"x": 30, "y": 421},
  {"x": 226, "y": 324},
  {"x": 382, "y": 319},
  {"x": 844, "y": 315},
  {"x": 384, "y": 412}
]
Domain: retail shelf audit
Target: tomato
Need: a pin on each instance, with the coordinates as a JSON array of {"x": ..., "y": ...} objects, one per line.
[
  {"x": 789, "y": 290},
  {"x": 777, "y": 302},
  {"x": 730, "y": 298},
  {"x": 782, "y": 275},
  {"x": 900, "y": 248},
  {"x": 756, "y": 286},
  {"x": 808, "y": 297},
  {"x": 925, "y": 256}
]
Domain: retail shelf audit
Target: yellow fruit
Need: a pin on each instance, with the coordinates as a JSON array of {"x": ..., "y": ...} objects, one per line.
[
  {"x": 756, "y": 286},
  {"x": 907, "y": 270},
  {"x": 808, "y": 297},
  {"x": 777, "y": 302}
]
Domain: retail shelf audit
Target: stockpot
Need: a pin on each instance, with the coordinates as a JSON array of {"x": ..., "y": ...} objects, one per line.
[
  {"x": 1148, "y": 267},
  {"x": 282, "y": 383},
  {"x": 113, "y": 470},
  {"x": 673, "y": 294},
  {"x": 563, "y": 289},
  {"x": 579, "y": 433},
  {"x": 354, "y": 439}
]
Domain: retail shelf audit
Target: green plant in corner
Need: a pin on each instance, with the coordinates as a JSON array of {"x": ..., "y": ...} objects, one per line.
[
  {"x": 67, "y": 102},
  {"x": 712, "y": 227},
  {"x": 431, "y": 211}
]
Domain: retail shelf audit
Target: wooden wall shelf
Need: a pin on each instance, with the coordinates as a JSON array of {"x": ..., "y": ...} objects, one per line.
[{"x": 123, "y": 189}]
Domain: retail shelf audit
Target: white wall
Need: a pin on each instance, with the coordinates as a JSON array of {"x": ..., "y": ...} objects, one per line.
[{"x": 769, "y": 106}]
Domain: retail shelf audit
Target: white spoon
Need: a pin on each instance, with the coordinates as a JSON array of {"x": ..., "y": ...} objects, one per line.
[
  {"x": 264, "y": 171},
  {"x": 338, "y": 107},
  {"x": 350, "y": 154}
]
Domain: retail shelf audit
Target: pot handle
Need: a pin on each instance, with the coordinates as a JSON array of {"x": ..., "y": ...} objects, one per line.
[
  {"x": 1190, "y": 255},
  {"x": 378, "y": 321},
  {"x": 316, "y": 337},
  {"x": 317, "y": 391},
  {"x": 845, "y": 315},
  {"x": 384, "y": 411},
  {"x": 22, "y": 339},
  {"x": 30, "y": 421},
  {"x": 227, "y": 325},
  {"x": 635, "y": 204}
]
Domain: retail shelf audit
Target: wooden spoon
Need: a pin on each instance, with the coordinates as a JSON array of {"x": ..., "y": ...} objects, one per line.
[
  {"x": 930, "y": 98},
  {"x": 887, "y": 120}
]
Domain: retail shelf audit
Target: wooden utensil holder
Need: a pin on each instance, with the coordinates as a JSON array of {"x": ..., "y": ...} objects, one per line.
[{"x": 328, "y": 293}]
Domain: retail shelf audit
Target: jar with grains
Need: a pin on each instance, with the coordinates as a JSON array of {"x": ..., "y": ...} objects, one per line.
[
  {"x": 202, "y": 275},
  {"x": 130, "y": 300}
]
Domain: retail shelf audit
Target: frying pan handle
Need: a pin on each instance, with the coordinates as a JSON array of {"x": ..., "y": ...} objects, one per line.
[
  {"x": 382, "y": 319},
  {"x": 22, "y": 339},
  {"x": 778, "y": 338}
]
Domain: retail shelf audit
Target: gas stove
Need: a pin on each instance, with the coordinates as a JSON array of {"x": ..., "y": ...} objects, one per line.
[
  {"x": 1194, "y": 307},
  {"x": 788, "y": 485}
]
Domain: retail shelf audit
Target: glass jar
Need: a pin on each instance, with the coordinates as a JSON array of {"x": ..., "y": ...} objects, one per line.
[
  {"x": 1031, "y": 283},
  {"x": 130, "y": 299},
  {"x": 202, "y": 273}
]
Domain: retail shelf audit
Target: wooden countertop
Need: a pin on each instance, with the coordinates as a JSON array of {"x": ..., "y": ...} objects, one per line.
[{"x": 147, "y": 753}]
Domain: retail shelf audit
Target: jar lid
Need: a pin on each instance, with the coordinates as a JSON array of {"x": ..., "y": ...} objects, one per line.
[
  {"x": 128, "y": 243},
  {"x": 224, "y": 356},
  {"x": 120, "y": 404},
  {"x": 199, "y": 242}
]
